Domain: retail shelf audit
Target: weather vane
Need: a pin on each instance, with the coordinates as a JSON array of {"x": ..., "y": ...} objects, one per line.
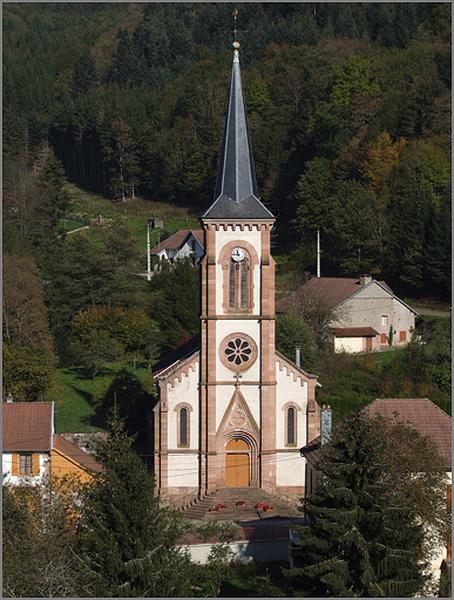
[{"x": 236, "y": 43}]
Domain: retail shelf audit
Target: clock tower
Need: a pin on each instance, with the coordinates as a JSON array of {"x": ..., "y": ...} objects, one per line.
[
  {"x": 237, "y": 372},
  {"x": 231, "y": 410}
]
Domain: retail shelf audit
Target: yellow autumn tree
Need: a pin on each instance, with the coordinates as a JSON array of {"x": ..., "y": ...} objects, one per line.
[{"x": 380, "y": 159}]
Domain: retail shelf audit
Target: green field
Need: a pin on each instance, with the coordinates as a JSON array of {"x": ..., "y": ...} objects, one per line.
[
  {"x": 77, "y": 398},
  {"x": 134, "y": 212}
]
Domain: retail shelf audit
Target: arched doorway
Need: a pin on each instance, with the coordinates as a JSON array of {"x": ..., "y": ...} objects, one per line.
[{"x": 237, "y": 463}]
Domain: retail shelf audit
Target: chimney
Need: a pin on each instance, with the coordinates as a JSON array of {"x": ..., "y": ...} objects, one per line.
[
  {"x": 9, "y": 397},
  {"x": 325, "y": 424},
  {"x": 365, "y": 279},
  {"x": 298, "y": 357}
]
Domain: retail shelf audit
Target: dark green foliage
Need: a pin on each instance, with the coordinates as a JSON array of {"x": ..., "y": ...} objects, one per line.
[
  {"x": 361, "y": 538},
  {"x": 128, "y": 539},
  {"x": 133, "y": 100},
  {"x": 175, "y": 303},
  {"x": 86, "y": 275},
  {"x": 292, "y": 331}
]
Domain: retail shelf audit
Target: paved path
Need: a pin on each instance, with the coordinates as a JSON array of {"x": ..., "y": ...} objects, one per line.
[{"x": 432, "y": 312}]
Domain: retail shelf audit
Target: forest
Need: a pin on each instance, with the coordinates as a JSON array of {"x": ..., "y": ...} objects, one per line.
[{"x": 349, "y": 110}]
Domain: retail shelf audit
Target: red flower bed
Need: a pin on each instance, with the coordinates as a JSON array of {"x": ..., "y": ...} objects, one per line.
[{"x": 221, "y": 506}]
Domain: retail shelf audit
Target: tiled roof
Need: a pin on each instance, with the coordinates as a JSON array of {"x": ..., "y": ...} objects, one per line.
[
  {"x": 177, "y": 239},
  {"x": 422, "y": 414},
  {"x": 331, "y": 290},
  {"x": 27, "y": 426},
  {"x": 75, "y": 453},
  {"x": 183, "y": 351},
  {"x": 354, "y": 331}
]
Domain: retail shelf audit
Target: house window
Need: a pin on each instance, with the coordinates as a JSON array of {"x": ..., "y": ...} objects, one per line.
[
  {"x": 291, "y": 427},
  {"x": 183, "y": 427},
  {"x": 384, "y": 320},
  {"x": 402, "y": 336},
  {"x": 239, "y": 284},
  {"x": 25, "y": 465}
]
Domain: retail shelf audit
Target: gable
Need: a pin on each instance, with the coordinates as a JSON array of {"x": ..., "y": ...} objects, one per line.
[{"x": 374, "y": 290}]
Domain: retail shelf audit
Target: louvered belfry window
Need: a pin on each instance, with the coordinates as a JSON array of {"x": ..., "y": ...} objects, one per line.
[{"x": 239, "y": 283}]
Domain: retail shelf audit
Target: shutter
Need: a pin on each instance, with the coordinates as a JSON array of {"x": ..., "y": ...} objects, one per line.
[
  {"x": 35, "y": 464},
  {"x": 15, "y": 464}
]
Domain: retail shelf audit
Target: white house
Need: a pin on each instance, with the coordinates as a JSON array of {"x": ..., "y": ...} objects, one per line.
[
  {"x": 31, "y": 448},
  {"x": 185, "y": 243}
]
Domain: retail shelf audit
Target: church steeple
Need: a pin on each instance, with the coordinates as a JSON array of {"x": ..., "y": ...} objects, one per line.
[{"x": 236, "y": 195}]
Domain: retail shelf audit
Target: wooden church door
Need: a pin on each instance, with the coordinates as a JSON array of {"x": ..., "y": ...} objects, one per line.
[{"x": 237, "y": 464}]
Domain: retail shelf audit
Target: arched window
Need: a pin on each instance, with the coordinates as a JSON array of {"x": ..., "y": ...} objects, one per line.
[
  {"x": 291, "y": 427},
  {"x": 183, "y": 427},
  {"x": 239, "y": 284}
]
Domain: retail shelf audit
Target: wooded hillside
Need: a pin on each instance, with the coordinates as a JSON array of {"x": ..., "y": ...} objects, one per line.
[{"x": 349, "y": 109}]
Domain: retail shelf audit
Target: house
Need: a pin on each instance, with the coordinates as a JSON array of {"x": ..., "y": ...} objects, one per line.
[
  {"x": 32, "y": 449},
  {"x": 185, "y": 243},
  {"x": 363, "y": 313},
  {"x": 231, "y": 411},
  {"x": 419, "y": 413}
]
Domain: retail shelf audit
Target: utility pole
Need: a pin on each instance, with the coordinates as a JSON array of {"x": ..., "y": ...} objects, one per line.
[
  {"x": 148, "y": 251},
  {"x": 318, "y": 252}
]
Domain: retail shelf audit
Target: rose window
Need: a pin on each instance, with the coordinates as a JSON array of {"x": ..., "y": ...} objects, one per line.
[{"x": 238, "y": 352}]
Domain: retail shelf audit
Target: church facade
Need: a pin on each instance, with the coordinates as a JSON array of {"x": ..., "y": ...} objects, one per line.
[{"x": 232, "y": 411}]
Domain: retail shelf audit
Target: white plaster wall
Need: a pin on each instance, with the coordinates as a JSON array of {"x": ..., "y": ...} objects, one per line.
[
  {"x": 296, "y": 392},
  {"x": 244, "y": 551},
  {"x": 186, "y": 250},
  {"x": 186, "y": 391},
  {"x": 183, "y": 469},
  {"x": 224, "y": 395},
  {"x": 439, "y": 552},
  {"x": 254, "y": 237},
  {"x": 227, "y": 327},
  {"x": 403, "y": 320},
  {"x": 348, "y": 344},
  {"x": 7, "y": 460},
  {"x": 290, "y": 468}
]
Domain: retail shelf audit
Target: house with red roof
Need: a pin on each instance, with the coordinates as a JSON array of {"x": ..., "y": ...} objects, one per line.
[
  {"x": 32, "y": 449},
  {"x": 363, "y": 314},
  {"x": 183, "y": 244},
  {"x": 428, "y": 419}
]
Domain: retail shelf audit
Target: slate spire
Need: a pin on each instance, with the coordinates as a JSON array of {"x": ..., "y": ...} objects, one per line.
[{"x": 236, "y": 195}]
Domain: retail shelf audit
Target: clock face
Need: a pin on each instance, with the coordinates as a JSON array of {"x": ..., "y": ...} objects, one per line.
[{"x": 238, "y": 254}]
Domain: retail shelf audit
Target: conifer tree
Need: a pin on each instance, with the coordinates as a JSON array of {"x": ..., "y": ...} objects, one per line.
[
  {"x": 361, "y": 538},
  {"x": 129, "y": 540}
]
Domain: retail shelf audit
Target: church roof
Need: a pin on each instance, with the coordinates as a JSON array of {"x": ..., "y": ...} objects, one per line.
[
  {"x": 236, "y": 195},
  {"x": 175, "y": 357}
]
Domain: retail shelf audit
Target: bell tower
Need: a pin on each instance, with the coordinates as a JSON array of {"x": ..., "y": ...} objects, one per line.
[{"x": 237, "y": 385}]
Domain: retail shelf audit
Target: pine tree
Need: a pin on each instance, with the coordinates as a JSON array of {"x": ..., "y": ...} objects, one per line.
[
  {"x": 129, "y": 540},
  {"x": 361, "y": 538}
]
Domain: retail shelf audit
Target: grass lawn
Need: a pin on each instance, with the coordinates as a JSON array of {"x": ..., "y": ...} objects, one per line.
[
  {"x": 135, "y": 213},
  {"x": 76, "y": 397}
]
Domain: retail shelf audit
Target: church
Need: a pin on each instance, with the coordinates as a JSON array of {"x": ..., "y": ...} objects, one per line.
[{"x": 232, "y": 412}]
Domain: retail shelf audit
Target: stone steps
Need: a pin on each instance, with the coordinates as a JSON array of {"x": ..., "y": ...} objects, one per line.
[{"x": 230, "y": 496}]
